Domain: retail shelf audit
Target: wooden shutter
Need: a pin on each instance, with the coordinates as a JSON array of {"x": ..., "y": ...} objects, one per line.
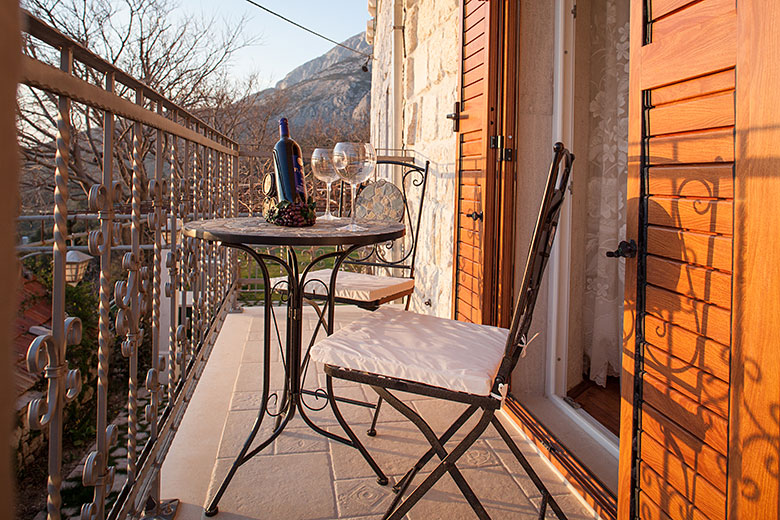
[
  {"x": 676, "y": 368},
  {"x": 485, "y": 182}
]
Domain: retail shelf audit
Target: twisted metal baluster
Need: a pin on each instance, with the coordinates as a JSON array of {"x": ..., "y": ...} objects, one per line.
[
  {"x": 132, "y": 264},
  {"x": 215, "y": 251},
  {"x": 172, "y": 264},
  {"x": 234, "y": 212},
  {"x": 101, "y": 198},
  {"x": 185, "y": 259},
  {"x": 223, "y": 200},
  {"x": 48, "y": 351},
  {"x": 198, "y": 297},
  {"x": 211, "y": 195},
  {"x": 225, "y": 213},
  {"x": 152, "y": 383}
]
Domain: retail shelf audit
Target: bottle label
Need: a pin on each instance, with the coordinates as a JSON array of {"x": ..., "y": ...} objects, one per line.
[{"x": 300, "y": 186}]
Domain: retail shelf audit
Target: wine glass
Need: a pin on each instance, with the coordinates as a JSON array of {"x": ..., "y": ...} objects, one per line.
[
  {"x": 322, "y": 166},
  {"x": 354, "y": 163}
]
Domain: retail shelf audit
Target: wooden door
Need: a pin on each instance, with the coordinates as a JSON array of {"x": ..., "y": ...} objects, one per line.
[
  {"x": 485, "y": 180},
  {"x": 677, "y": 323}
]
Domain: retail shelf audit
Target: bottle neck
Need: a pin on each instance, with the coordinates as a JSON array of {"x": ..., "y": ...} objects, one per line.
[{"x": 284, "y": 130}]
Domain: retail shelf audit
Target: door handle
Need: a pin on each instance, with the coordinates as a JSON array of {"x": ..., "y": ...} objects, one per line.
[
  {"x": 624, "y": 249},
  {"x": 456, "y": 116},
  {"x": 475, "y": 216}
]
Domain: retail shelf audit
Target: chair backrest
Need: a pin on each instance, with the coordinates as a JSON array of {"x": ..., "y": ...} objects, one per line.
[
  {"x": 383, "y": 255},
  {"x": 538, "y": 254}
]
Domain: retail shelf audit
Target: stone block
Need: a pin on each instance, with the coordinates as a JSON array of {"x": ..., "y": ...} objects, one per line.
[{"x": 283, "y": 486}]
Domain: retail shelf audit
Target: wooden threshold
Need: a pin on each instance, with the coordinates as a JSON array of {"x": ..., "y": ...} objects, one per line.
[
  {"x": 601, "y": 403},
  {"x": 595, "y": 492}
]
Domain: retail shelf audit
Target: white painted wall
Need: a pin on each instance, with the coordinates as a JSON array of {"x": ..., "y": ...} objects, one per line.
[{"x": 430, "y": 83}]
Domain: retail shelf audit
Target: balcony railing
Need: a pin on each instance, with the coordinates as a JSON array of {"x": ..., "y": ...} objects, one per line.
[{"x": 194, "y": 174}]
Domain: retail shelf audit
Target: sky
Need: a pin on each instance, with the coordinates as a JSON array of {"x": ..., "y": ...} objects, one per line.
[{"x": 281, "y": 47}]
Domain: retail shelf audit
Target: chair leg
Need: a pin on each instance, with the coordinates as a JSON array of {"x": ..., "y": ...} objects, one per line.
[
  {"x": 401, "y": 486},
  {"x": 372, "y": 429},
  {"x": 547, "y": 498},
  {"x": 447, "y": 463},
  {"x": 543, "y": 506},
  {"x": 381, "y": 478}
]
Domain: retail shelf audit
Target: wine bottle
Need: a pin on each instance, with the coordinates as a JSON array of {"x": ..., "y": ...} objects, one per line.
[{"x": 288, "y": 167}]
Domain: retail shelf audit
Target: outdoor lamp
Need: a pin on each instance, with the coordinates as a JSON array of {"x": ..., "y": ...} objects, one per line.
[
  {"x": 76, "y": 266},
  {"x": 166, "y": 232}
]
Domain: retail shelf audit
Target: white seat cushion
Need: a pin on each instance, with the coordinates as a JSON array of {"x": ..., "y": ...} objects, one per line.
[
  {"x": 355, "y": 286},
  {"x": 455, "y": 355}
]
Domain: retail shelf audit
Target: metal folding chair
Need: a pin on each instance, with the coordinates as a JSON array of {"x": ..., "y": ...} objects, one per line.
[{"x": 395, "y": 350}]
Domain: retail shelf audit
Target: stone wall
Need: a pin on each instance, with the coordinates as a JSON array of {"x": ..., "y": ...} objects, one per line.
[{"x": 430, "y": 83}]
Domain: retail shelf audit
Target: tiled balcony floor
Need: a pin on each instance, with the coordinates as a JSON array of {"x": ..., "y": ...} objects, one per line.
[{"x": 305, "y": 476}]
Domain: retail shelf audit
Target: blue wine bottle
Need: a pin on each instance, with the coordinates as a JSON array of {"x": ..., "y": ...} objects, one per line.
[{"x": 288, "y": 167}]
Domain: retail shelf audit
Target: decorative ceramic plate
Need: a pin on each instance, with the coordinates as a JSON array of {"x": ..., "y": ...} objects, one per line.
[{"x": 380, "y": 201}]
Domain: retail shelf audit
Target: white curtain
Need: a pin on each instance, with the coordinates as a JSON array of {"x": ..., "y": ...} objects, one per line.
[{"x": 607, "y": 160}]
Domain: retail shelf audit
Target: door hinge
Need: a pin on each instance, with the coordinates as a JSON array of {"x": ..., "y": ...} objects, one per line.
[
  {"x": 574, "y": 11},
  {"x": 497, "y": 142}
]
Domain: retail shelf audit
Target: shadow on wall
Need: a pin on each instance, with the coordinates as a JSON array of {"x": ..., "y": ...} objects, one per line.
[{"x": 688, "y": 430}]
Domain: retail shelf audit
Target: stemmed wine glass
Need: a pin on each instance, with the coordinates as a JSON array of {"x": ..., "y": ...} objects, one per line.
[
  {"x": 354, "y": 163},
  {"x": 322, "y": 166}
]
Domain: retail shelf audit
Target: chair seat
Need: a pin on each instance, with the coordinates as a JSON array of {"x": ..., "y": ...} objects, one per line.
[
  {"x": 357, "y": 286},
  {"x": 454, "y": 355}
]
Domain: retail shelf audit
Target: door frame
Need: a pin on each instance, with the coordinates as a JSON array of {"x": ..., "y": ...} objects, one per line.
[{"x": 559, "y": 265}]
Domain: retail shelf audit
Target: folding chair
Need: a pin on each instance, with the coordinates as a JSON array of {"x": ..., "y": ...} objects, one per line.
[
  {"x": 380, "y": 200},
  {"x": 397, "y": 350}
]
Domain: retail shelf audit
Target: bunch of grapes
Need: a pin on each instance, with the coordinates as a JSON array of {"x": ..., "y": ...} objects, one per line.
[{"x": 296, "y": 214}]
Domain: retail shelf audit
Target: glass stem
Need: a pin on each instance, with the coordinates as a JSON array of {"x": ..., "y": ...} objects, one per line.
[
  {"x": 352, "y": 221},
  {"x": 327, "y": 201}
]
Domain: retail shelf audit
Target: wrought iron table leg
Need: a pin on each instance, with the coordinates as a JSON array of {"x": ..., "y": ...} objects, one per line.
[{"x": 243, "y": 456}]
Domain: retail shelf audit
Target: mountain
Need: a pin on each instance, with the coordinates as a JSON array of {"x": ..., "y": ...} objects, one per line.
[{"x": 332, "y": 89}]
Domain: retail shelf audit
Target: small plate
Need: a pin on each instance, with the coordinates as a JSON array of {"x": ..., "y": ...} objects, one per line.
[{"x": 380, "y": 200}]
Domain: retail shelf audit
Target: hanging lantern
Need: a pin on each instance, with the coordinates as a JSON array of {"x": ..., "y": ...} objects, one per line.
[
  {"x": 166, "y": 233},
  {"x": 76, "y": 263}
]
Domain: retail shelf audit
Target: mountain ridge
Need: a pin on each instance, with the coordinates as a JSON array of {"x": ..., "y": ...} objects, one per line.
[{"x": 331, "y": 88}]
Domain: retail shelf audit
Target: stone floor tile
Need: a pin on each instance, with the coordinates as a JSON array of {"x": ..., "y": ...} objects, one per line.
[
  {"x": 288, "y": 486},
  {"x": 396, "y": 448},
  {"x": 253, "y": 352},
  {"x": 239, "y": 424},
  {"x": 250, "y": 377},
  {"x": 246, "y": 400},
  {"x": 495, "y": 489},
  {"x": 299, "y": 440},
  {"x": 363, "y": 496},
  {"x": 573, "y": 508},
  {"x": 553, "y": 482}
]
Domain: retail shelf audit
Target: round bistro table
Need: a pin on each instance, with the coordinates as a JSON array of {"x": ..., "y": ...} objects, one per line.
[{"x": 242, "y": 234}]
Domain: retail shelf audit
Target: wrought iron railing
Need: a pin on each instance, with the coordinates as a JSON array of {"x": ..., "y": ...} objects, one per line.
[{"x": 194, "y": 174}]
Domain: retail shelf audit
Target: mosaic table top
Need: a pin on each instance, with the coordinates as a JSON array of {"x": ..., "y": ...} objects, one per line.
[{"x": 255, "y": 230}]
